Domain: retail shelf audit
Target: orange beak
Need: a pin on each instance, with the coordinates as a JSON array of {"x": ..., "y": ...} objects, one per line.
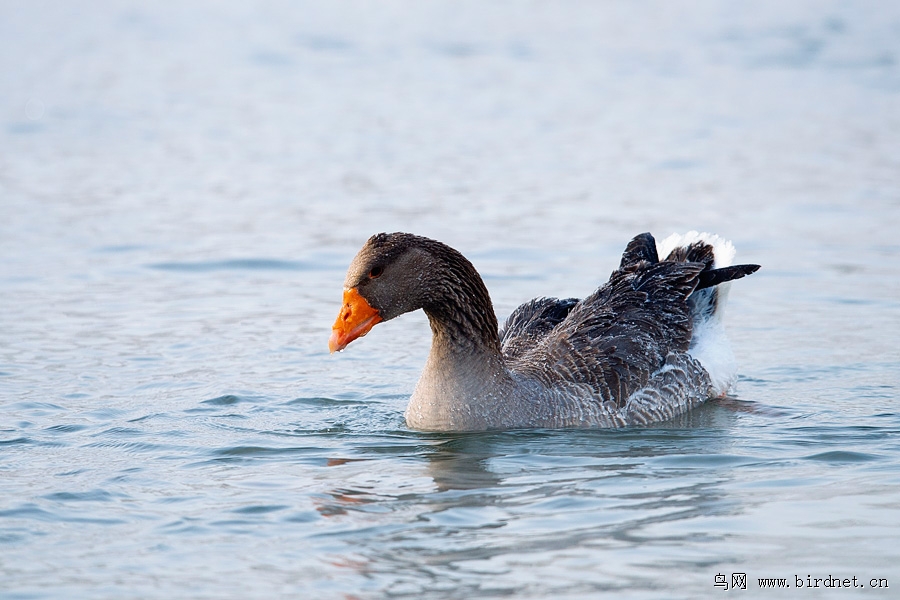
[{"x": 355, "y": 320}]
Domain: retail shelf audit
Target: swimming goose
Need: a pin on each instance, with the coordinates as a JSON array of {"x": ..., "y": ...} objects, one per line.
[{"x": 644, "y": 347}]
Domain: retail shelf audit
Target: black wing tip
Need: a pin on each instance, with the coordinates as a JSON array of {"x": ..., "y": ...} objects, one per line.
[
  {"x": 713, "y": 277},
  {"x": 641, "y": 248},
  {"x": 556, "y": 310},
  {"x": 698, "y": 252},
  {"x": 743, "y": 270}
]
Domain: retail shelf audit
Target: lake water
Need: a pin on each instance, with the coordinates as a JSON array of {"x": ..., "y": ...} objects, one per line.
[{"x": 182, "y": 188}]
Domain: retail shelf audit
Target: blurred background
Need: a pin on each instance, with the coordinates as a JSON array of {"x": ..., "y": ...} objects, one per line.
[
  {"x": 182, "y": 186},
  {"x": 135, "y": 136}
]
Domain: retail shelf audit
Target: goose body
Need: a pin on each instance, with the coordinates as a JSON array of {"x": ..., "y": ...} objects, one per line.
[{"x": 646, "y": 346}]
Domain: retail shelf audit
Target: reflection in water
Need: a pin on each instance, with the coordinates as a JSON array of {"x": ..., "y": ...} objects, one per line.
[
  {"x": 512, "y": 498},
  {"x": 462, "y": 462}
]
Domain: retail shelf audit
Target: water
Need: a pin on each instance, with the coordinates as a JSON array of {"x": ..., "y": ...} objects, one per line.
[{"x": 182, "y": 189}]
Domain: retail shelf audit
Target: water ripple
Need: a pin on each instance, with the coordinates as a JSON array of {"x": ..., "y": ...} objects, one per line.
[
  {"x": 843, "y": 456},
  {"x": 241, "y": 264}
]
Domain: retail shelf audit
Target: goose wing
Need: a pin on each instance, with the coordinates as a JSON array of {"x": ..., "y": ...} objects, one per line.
[
  {"x": 532, "y": 321},
  {"x": 614, "y": 340}
]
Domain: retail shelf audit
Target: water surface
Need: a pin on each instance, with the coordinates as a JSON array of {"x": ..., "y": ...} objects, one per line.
[{"x": 182, "y": 189}]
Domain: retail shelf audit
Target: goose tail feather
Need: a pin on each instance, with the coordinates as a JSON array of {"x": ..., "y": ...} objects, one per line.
[{"x": 709, "y": 344}]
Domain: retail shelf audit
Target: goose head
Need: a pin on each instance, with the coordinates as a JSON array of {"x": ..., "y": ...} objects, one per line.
[{"x": 391, "y": 275}]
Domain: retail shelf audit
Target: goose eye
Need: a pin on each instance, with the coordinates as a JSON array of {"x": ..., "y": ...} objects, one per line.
[{"x": 376, "y": 272}]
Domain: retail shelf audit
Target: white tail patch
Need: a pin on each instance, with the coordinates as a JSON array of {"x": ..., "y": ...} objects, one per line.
[
  {"x": 711, "y": 347},
  {"x": 709, "y": 344},
  {"x": 722, "y": 248}
]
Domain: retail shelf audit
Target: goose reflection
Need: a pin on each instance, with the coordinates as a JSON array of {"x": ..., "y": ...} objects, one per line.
[{"x": 491, "y": 500}]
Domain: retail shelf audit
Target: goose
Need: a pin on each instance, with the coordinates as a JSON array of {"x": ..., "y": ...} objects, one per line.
[{"x": 646, "y": 346}]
